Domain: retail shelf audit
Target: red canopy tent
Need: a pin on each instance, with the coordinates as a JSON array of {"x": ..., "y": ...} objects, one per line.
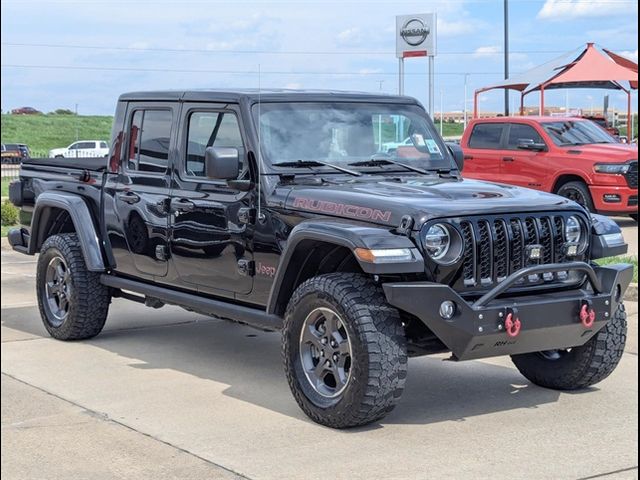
[{"x": 586, "y": 67}]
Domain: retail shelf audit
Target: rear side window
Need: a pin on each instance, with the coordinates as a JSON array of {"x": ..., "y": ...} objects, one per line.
[
  {"x": 103, "y": 145},
  {"x": 519, "y": 132},
  {"x": 149, "y": 136},
  {"x": 486, "y": 135},
  {"x": 210, "y": 129}
]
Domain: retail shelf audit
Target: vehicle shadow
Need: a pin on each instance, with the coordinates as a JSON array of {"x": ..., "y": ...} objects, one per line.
[{"x": 249, "y": 362}]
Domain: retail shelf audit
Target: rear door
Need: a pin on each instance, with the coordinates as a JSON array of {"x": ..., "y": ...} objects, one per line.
[
  {"x": 483, "y": 153},
  {"x": 525, "y": 168},
  {"x": 137, "y": 218},
  {"x": 210, "y": 230}
]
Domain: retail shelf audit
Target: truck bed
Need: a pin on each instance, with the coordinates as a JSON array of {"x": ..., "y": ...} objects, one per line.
[{"x": 94, "y": 164}]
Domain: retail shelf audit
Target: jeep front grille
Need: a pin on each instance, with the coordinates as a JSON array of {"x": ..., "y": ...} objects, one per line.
[
  {"x": 497, "y": 246},
  {"x": 632, "y": 175}
]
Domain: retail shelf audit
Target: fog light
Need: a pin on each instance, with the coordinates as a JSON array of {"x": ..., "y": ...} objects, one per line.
[
  {"x": 611, "y": 198},
  {"x": 447, "y": 309},
  {"x": 572, "y": 250},
  {"x": 534, "y": 252}
]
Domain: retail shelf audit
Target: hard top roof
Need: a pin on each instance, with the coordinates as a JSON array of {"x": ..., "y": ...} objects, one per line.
[
  {"x": 528, "y": 119},
  {"x": 265, "y": 95}
]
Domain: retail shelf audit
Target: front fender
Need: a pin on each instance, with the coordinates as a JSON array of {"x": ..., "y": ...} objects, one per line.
[
  {"x": 82, "y": 220},
  {"x": 346, "y": 235}
]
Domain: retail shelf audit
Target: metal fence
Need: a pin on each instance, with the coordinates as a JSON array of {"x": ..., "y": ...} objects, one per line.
[{"x": 10, "y": 171}]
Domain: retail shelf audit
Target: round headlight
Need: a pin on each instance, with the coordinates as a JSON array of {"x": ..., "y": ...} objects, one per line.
[
  {"x": 437, "y": 241},
  {"x": 573, "y": 230}
]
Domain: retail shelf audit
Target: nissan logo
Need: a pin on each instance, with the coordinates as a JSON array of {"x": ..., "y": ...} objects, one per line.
[{"x": 414, "y": 32}]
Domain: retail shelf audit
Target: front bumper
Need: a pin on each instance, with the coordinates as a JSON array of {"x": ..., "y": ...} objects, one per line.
[
  {"x": 614, "y": 199},
  {"x": 548, "y": 321}
]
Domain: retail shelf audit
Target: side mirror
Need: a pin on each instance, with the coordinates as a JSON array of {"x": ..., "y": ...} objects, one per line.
[
  {"x": 222, "y": 163},
  {"x": 529, "y": 144},
  {"x": 458, "y": 154}
]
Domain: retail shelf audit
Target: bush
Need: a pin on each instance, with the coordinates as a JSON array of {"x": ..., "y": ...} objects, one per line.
[
  {"x": 9, "y": 214},
  {"x": 63, "y": 111}
]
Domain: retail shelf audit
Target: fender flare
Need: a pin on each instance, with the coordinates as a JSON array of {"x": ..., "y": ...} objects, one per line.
[
  {"x": 347, "y": 235},
  {"x": 82, "y": 220}
]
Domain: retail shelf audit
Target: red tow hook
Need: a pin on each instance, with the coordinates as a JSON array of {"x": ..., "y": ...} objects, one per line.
[
  {"x": 587, "y": 316},
  {"x": 512, "y": 326}
]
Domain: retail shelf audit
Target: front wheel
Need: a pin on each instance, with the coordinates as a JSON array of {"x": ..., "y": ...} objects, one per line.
[
  {"x": 344, "y": 350},
  {"x": 579, "y": 367},
  {"x": 73, "y": 303},
  {"x": 578, "y": 192}
]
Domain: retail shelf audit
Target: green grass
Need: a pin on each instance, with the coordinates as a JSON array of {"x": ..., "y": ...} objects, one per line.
[
  {"x": 5, "y": 229},
  {"x": 44, "y": 132},
  {"x": 622, "y": 259},
  {"x": 450, "y": 129},
  {"x": 5, "y": 187}
]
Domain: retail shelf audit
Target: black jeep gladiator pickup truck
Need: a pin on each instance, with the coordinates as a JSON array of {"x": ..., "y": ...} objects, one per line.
[{"x": 288, "y": 211}]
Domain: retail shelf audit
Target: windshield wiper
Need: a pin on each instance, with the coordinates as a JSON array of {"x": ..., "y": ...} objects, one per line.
[
  {"x": 316, "y": 163},
  {"x": 376, "y": 162}
]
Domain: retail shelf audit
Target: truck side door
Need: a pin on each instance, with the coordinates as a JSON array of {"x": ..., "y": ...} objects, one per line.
[
  {"x": 137, "y": 198},
  {"x": 210, "y": 227},
  {"x": 483, "y": 155},
  {"x": 525, "y": 168}
]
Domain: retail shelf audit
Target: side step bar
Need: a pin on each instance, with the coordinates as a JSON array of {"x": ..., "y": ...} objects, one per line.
[{"x": 250, "y": 316}]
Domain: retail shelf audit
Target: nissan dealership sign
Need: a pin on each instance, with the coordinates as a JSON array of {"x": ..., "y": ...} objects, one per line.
[{"x": 416, "y": 35}]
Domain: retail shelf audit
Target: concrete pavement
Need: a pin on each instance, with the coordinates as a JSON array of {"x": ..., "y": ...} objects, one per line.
[{"x": 167, "y": 393}]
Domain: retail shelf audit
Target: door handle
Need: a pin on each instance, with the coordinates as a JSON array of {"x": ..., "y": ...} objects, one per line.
[
  {"x": 182, "y": 205},
  {"x": 128, "y": 197},
  {"x": 468, "y": 157},
  {"x": 508, "y": 159}
]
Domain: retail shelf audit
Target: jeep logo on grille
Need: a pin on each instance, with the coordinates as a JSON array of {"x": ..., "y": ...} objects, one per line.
[{"x": 414, "y": 32}]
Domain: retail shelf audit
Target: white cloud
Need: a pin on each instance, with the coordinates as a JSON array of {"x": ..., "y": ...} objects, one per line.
[
  {"x": 350, "y": 36},
  {"x": 496, "y": 52},
  {"x": 630, "y": 55},
  {"x": 487, "y": 51},
  {"x": 564, "y": 9},
  {"x": 457, "y": 27},
  {"x": 139, "y": 45}
]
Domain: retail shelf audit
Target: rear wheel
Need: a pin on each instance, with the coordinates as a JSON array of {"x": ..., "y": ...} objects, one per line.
[
  {"x": 73, "y": 303},
  {"x": 579, "y": 367},
  {"x": 578, "y": 192},
  {"x": 344, "y": 350}
]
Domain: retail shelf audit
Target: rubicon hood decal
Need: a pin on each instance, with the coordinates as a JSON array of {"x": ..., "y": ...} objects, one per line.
[{"x": 341, "y": 209}]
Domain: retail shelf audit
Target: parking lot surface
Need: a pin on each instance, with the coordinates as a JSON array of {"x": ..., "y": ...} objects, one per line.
[{"x": 171, "y": 394}]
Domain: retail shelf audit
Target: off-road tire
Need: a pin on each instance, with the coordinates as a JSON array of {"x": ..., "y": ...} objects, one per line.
[
  {"x": 577, "y": 187},
  {"x": 379, "y": 361},
  {"x": 582, "y": 366},
  {"x": 88, "y": 298}
]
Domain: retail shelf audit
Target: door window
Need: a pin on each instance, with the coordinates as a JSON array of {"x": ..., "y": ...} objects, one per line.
[
  {"x": 149, "y": 136},
  {"x": 210, "y": 129},
  {"x": 486, "y": 135},
  {"x": 519, "y": 132}
]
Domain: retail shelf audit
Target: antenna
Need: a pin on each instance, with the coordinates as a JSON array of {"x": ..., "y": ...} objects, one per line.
[{"x": 259, "y": 156}]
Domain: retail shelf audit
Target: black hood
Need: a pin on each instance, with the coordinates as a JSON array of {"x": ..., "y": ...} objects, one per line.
[{"x": 385, "y": 201}]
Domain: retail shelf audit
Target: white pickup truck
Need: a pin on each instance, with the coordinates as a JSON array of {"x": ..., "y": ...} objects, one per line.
[{"x": 82, "y": 149}]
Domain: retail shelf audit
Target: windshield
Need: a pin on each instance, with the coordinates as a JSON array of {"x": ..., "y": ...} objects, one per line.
[
  {"x": 572, "y": 132},
  {"x": 346, "y": 133}
]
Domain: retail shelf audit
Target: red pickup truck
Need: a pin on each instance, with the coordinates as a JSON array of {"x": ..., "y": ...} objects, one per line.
[{"x": 572, "y": 157}]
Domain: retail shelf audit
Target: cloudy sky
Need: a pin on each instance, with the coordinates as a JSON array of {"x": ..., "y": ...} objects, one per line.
[{"x": 58, "y": 53}]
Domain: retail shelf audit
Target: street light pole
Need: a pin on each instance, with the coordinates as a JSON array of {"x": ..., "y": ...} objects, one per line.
[
  {"x": 464, "y": 109},
  {"x": 506, "y": 56}
]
